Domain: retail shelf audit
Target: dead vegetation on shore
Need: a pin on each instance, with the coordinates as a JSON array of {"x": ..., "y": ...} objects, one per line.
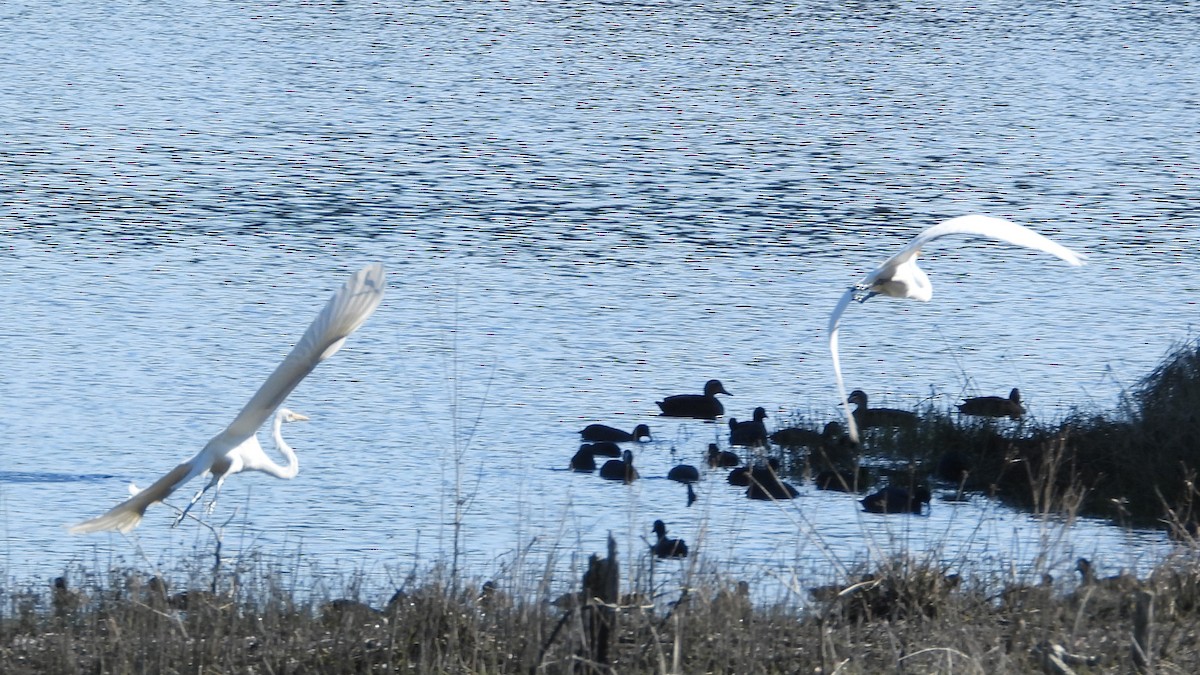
[{"x": 902, "y": 616}]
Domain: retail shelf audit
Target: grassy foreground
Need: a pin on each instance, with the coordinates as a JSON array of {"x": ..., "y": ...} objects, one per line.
[{"x": 901, "y": 617}]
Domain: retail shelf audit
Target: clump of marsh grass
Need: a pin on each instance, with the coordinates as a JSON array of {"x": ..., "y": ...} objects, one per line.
[
  {"x": 1139, "y": 461},
  {"x": 1135, "y": 465},
  {"x": 1168, "y": 399}
]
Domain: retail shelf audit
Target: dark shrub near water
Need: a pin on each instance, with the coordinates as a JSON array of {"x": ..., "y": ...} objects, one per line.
[{"x": 1135, "y": 465}]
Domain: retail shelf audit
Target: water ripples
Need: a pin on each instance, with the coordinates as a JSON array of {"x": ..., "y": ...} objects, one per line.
[{"x": 584, "y": 206}]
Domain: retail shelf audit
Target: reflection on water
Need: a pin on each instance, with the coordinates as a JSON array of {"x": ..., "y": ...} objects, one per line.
[
  {"x": 45, "y": 477},
  {"x": 581, "y": 208}
]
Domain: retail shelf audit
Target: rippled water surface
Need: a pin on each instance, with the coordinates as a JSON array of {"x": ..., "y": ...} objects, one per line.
[{"x": 582, "y": 208}]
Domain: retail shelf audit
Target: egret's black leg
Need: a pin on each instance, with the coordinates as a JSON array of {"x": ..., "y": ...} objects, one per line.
[{"x": 184, "y": 512}]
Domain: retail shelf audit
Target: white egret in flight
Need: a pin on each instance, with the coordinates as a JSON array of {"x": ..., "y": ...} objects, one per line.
[
  {"x": 237, "y": 448},
  {"x": 899, "y": 276}
]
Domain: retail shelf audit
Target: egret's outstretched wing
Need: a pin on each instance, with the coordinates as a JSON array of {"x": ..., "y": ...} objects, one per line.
[
  {"x": 342, "y": 315},
  {"x": 125, "y": 516},
  {"x": 1000, "y": 229},
  {"x": 982, "y": 226},
  {"x": 834, "y": 318}
]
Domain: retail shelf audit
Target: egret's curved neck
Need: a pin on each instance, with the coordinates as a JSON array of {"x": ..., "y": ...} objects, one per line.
[{"x": 293, "y": 463}]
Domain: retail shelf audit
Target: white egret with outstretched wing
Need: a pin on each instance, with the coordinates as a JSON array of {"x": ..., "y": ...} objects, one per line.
[
  {"x": 237, "y": 448},
  {"x": 900, "y": 277}
]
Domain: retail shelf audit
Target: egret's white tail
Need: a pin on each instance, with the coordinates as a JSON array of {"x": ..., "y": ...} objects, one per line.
[
  {"x": 125, "y": 516},
  {"x": 122, "y": 518}
]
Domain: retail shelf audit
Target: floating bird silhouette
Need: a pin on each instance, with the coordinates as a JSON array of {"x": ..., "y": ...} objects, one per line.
[
  {"x": 603, "y": 432},
  {"x": 799, "y": 437},
  {"x": 704, "y": 406},
  {"x": 584, "y": 461},
  {"x": 668, "y": 548},
  {"x": 684, "y": 473},
  {"x": 603, "y": 449},
  {"x": 237, "y": 449},
  {"x": 900, "y": 277},
  {"x": 1122, "y": 583},
  {"x": 866, "y": 417},
  {"x": 620, "y": 469},
  {"x": 718, "y": 458},
  {"x": 994, "y": 406},
  {"x": 752, "y": 433},
  {"x": 739, "y": 476},
  {"x": 765, "y": 484},
  {"x": 893, "y": 499}
]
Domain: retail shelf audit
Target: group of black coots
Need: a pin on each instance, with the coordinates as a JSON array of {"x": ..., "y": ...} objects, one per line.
[
  {"x": 762, "y": 480},
  {"x": 602, "y": 440}
]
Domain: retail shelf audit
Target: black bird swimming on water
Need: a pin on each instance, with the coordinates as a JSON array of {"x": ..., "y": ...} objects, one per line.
[
  {"x": 718, "y": 458},
  {"x": 603, "y": 432},
  {"x": 684, "y": 473},
  {"x": 829, "y": 438},
  {"x": 700, "y": 406},
  {"x": 894, "y": 499},
  {"x": 740, "y": 476},
  {"x": 1121, "y": 582},
  {"x": 603, "y": 448},
  {"x": 753, "y": 433},
  {"x": 584, "y": 461},
  {"x": 994, "y": 406},
  {"x": 765, "y": 483},
  {"x": 620, "y": 469},
  {"x": 668, "y": 548},
  {"x": 866, "y": 417}
]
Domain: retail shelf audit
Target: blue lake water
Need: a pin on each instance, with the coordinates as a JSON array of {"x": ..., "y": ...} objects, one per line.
[{"x": 581, "y": 209}]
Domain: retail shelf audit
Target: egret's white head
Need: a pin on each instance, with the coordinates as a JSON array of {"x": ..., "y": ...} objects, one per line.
[{"x": 291, "y": 415}]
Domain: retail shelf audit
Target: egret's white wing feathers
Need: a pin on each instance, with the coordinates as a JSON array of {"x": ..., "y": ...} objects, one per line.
[
  {"x": 342, "y": 315},
  {"x": 982, "y": 226},
  {"x": 1000, "y": 229},
  {"x": 125, "y": 516}
]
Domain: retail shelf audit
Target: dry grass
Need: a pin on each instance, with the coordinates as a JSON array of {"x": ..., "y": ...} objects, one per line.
[{"x": 903, "y": 616}]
